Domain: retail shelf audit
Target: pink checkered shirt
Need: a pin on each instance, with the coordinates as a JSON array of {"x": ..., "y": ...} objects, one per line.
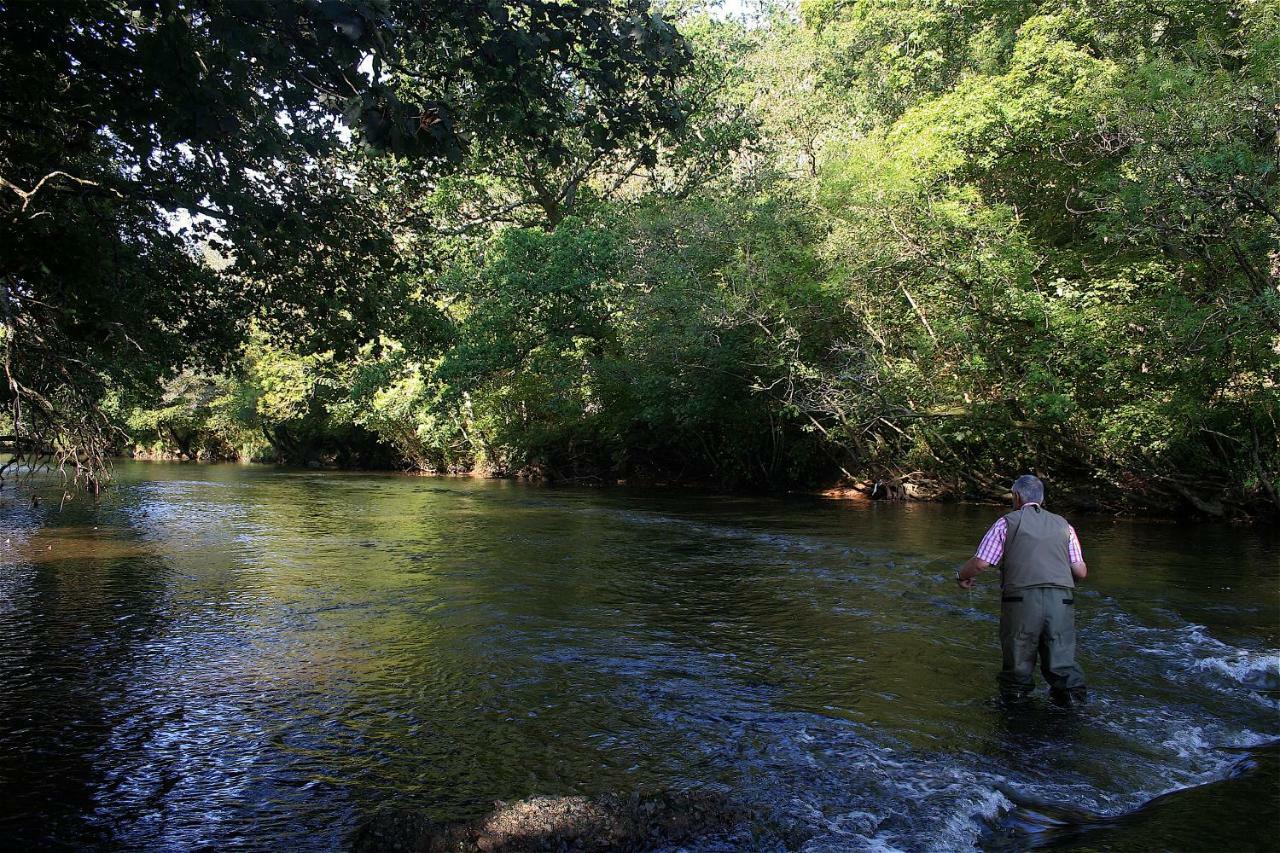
[{"x": 991, "y": 549}]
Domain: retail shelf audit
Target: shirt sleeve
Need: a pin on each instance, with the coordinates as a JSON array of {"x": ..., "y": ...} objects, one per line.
[
  {"x": 991, "y": 549},
  {"x": 1073, "y": 548}
]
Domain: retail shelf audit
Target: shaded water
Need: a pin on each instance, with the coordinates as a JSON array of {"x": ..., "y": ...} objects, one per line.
[{"x": 252, "y": 658}]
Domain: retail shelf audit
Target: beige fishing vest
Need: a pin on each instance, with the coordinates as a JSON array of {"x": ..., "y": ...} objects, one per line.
[{"x": 1036, "y": 549}]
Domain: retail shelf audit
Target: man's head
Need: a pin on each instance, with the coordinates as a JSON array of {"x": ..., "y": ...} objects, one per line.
[{"x": 1027, "y": 489}]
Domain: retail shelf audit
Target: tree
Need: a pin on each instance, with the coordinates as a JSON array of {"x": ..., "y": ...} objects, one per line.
[
  {"x": 539, "y": 180},
  {"x": 115, "y": 115},
  {"x": 1069, "y": 260}
]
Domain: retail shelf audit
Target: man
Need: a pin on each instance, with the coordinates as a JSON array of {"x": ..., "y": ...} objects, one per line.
[{"x": 1040, "y": 561}]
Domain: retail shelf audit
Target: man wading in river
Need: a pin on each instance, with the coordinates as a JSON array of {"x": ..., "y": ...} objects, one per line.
[{"x": 1040, "y": 561}]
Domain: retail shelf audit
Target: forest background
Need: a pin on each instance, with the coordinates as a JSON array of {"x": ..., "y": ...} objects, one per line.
[{"x": 915, "y": 247}]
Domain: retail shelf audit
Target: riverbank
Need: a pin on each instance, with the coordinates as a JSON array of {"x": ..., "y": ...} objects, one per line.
[{"x": 1077, "y": 495}]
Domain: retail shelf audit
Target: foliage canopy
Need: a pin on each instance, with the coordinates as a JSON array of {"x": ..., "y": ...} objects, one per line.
[{"x": 921, "y": 246}]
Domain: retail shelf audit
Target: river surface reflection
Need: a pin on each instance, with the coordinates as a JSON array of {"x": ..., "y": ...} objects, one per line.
[{"x": 244, "y": 657}]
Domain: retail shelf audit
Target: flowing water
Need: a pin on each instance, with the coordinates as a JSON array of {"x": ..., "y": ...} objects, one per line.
[{"x": 249, "y": 658}]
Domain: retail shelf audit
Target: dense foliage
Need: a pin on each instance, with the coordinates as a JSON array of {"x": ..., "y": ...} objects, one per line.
[
  {"x": 130, "y": 131},
  {"x": 919, "y": 246}
]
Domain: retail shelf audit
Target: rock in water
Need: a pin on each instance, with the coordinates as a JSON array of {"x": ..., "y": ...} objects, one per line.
[{"x": 604, "y": 822}]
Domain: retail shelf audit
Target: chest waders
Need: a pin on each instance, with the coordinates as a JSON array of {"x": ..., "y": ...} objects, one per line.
[{"x": 1037, "y": 606}]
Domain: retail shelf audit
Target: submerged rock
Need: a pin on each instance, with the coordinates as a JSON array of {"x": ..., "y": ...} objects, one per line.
[
  {"x": 599, "y": 823},
  {"x": 1175, "y": 820}
]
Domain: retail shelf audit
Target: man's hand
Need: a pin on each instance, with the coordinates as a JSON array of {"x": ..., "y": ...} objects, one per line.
[{"x": 975, "y": 566}]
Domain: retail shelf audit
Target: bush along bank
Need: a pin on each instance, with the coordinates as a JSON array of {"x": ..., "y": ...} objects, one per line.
[{"x": 1046, "y": 240}]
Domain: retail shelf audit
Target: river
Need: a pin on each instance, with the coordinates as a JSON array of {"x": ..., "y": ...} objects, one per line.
[{"x": 249, "y": 658}]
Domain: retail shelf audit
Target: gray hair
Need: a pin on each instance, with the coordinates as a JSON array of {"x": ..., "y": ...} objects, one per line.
[{"x": 1029, "y": 488}]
